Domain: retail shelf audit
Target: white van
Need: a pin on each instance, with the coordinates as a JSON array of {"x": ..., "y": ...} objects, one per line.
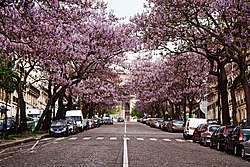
[
  {"x": 78, "y": 117},
  {"x": 34, "y": 113},
  {"x": 190, "y": 126}
]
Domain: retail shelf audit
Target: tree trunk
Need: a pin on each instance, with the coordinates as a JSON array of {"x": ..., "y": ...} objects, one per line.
[
  {"x": 60, "y": 114},
  {"x": 70, "y": 102},
  {"x": 246, "y": 88},
  {"x": 46, "y": 112},
  {"x": 23, "y": 120},
  {"x": 233, "y": 99},
  {"x": 190, "y": 106},
  {"x": 224, "y": 97},
  {"x": 184, "y": 109}
]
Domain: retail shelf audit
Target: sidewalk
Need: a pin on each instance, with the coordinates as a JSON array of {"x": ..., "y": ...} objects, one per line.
[{"x": 11, "y": 143}]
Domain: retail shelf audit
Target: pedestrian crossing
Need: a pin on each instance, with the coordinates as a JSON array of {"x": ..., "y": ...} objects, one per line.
[{"x": 114, "y": 138}]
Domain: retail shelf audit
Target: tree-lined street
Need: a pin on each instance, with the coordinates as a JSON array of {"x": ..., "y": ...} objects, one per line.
[
  {"x": 74, "y": 71},
  {"x": 104, "y": 147}
]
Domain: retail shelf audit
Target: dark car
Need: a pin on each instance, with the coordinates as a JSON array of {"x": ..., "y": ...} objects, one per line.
[
  {"x": 10, "y": 126},
  {"x": 234, "y": 141},
  {"x": 198, "y": 131},
  {"x": 59, "y": 127},
  {"x": 218, "y": 138},
  {"x": 120, "y": 119},
  {"x": 108, "y": 121}
]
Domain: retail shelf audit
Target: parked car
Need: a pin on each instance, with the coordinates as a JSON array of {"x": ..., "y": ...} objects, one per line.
[
  {"x": 78, "y": 117},
  {"x": 218, "y": 138},
  {"x": 153, "y": 122},
  {"x": 120, "y": 119},
  {"x": 10, "y": 126},
  {"x": 207, "y": 133},
  {"x": 107, "y": 121},
  {"x": 197, "y": 132},
  {"x": 97, "y": 122},
  {"x": 175, "y": 125},
  {"x": 164, "y": 125},
  {"x": 245, "y": 152},
  {"x": 158, "y": 123},
  {"x": 235, "y": 140},
  {"x": 190, "y": 126},
  {"x": 72, "y": 126},
  {"x": 59, "y": 127}
]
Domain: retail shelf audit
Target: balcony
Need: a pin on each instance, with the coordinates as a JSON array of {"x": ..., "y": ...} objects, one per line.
[{"x": 33, "y": 90}]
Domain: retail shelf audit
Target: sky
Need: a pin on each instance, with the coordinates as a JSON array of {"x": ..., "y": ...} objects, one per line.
[{"x": 125, "y": 8}]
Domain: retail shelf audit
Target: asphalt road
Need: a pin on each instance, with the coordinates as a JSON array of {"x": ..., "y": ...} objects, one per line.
[{"x": 104, "y": 147}]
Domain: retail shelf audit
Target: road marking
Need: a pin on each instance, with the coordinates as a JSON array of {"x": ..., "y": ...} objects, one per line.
[
  {"x": 180, "y": 140},
  {"x": 99, "y": 138},
  {"x": 126, "y": 138},
  {"x": 125, "y": 153},
  {"x": 34, "y": 145},
  {"x": 166, "y": 140},
  {"x": 86, "y": 138},
  {"x": 72, "y": 138},
  {"x": 113, "y": 138},
  {"x": 140, "y": 139},
  {"x": 153, "y": 139},
  {"x": 61, "y": 138},
  {"x": 190, "y": 140},
  {"x": 45, "y": 139}
]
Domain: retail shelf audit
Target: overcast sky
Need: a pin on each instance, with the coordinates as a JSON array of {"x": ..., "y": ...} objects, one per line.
[{"x": 125, "y": 8}]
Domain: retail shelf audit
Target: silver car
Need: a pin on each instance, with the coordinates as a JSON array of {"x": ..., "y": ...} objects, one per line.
[{"x": 245, "y": 153}]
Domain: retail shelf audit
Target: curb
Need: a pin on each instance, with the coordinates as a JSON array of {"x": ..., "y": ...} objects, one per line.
[{"x": 18, "y": 142}]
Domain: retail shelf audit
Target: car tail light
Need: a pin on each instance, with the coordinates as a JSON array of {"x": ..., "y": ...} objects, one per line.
[
  {"x": 208, "y": 133},
  {"x": 224, "y": 130},
  {"x": 241, "y": 137}
]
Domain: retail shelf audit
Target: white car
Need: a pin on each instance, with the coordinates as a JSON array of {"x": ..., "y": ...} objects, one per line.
[{"x": 190, "y": 126}]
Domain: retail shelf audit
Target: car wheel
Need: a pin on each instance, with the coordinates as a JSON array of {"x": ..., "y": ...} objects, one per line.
[
  {"x": 184, "y": 136},
  {"x": 211, "y": 144},
  {"x": 226, "y": 148},
  {"x": 194, "y": 141},
  {"x": 243, "y": 153},
  {"x": 218, "y": 146},
  {"x": 200, "y": 141}
]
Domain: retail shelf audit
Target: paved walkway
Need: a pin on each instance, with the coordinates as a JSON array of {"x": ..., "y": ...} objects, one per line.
[{"x": 17, "y": 141}]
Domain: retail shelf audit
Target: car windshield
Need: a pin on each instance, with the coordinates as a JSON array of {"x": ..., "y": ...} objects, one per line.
[
  {"x": 246, "y": 132},
  {"x": 178, "y": 122},
  {"x": 76, "y": 118},
  {"x": 229, "y": 130},
  {"x": 213, "y": 128},
  {"x": 58, "y": 123}
]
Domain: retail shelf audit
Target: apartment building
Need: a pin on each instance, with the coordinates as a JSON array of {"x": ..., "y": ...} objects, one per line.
[
  {"x": 212, "y": 98},
  {"x": 35, "y": 96}
]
